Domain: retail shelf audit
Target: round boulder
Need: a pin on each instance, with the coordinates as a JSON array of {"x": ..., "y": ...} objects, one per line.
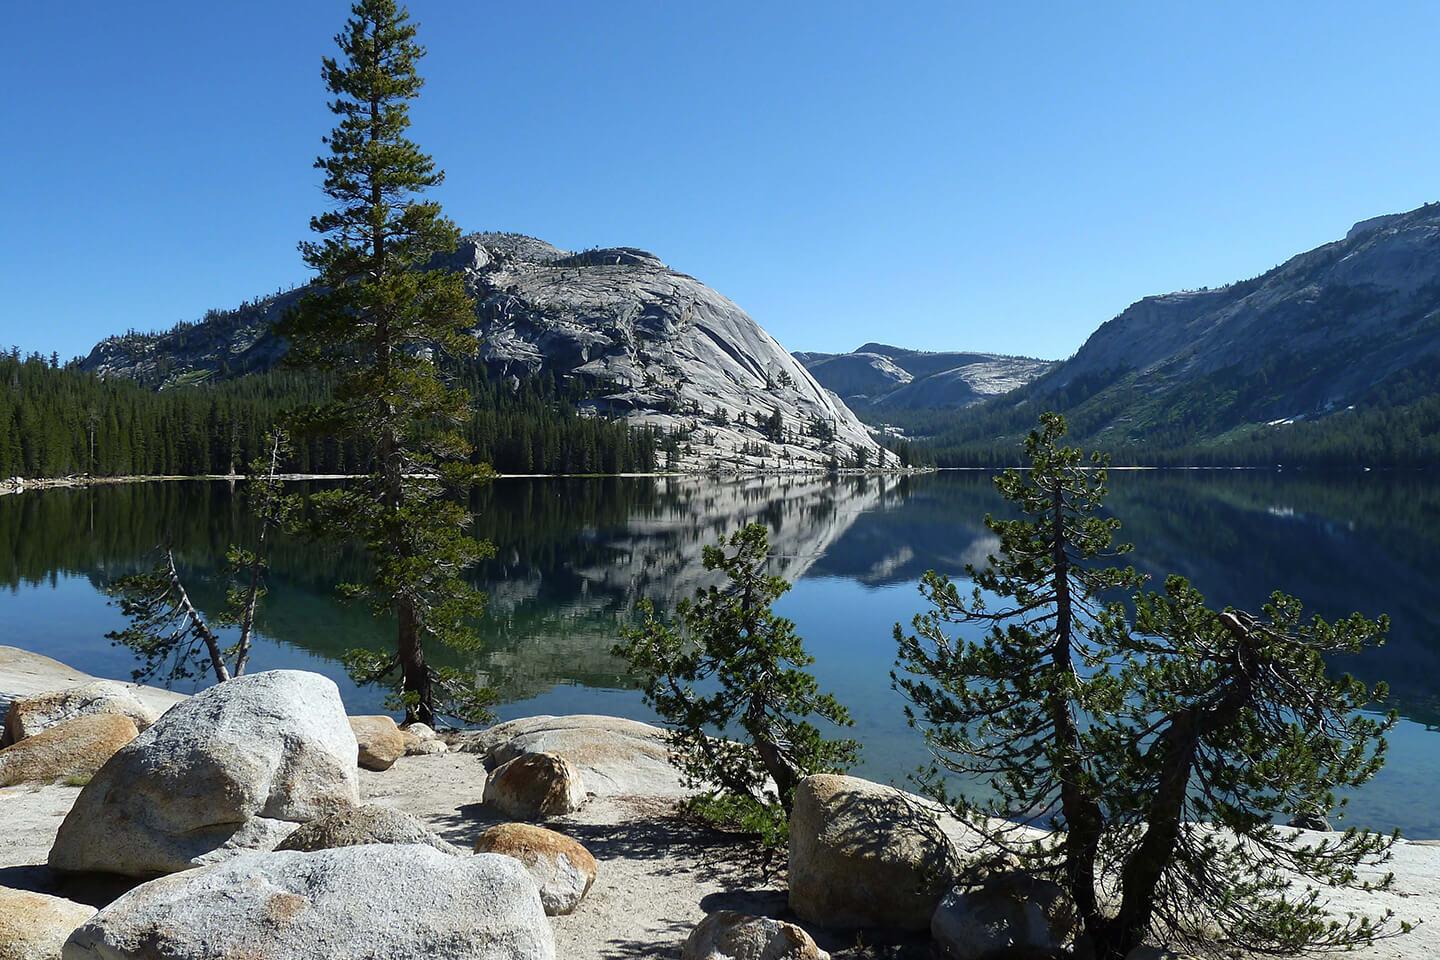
[
  {"x": 362, "y": 825},
  {"x": 729, "y": 935},
  {"x": 34, "y": 926},
  {"x": 235, "y": 767},
  {"x": 379, "y": 740},
  {"x": 30, "y": 715},
  {"x": 560, "y": 865},
  {"x": 863, "y": 854},
  {"x": 408, "y": 902},
  {"x": 1009, "y": 913},
  {"x": 74, "y": 749},
  {"x": 535, "y": 785}
]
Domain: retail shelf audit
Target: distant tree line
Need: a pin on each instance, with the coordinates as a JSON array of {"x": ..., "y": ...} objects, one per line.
[{"x": 57, "y": 421}]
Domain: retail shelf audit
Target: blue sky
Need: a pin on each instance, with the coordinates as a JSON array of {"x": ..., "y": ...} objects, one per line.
[{"x": 997, "y": 177}]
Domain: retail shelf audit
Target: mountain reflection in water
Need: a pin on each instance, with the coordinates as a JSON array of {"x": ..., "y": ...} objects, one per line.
[{"x": 573, "y": 556}]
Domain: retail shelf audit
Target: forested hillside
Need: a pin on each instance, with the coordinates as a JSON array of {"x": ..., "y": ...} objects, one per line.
[
  {"x": 57, "y": 421},
  {"x": 1330, "y": 359}
]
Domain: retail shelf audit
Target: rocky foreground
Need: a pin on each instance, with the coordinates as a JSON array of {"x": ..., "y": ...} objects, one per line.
[{"x": 256, "y": 819}]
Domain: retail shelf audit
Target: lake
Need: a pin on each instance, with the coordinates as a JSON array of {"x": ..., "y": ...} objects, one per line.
[{"x": 573, "y": 556}]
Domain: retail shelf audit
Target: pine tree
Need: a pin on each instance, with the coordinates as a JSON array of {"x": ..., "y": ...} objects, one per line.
[
  {"x": 1160, "y": 751},
  {"x": 729, "y": 642},
  {"x": 380, "y": 319}
]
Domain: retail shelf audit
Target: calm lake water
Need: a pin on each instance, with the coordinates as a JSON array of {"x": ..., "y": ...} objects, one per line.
[{"x": 574, "y": 556}]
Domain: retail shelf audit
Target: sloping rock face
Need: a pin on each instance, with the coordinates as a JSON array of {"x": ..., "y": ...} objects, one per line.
[
  {"x": 27, "y": 674},
  {"x": 34, "y": 926},
  {"x": 399, "y": 902},
  {"x": 615, "y": 756},
  {"x": 616, "y": 327},
  {"x": 235, "y": 767},
  {"x": 30, "y": 715},
  {"x": 74, "y": 748},
  {"x": 863, "y": 854},
  {"x": 1349, "y": 323}
]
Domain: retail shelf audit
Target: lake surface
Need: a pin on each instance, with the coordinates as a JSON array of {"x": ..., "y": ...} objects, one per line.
[{"x": 574, "y": 556}]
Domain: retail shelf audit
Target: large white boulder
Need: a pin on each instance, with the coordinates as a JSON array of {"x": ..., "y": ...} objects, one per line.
[
  {"x": 865, "y": 855},
  {"x": 235, "y": 767},
  {"x": 28, "y": 716},
  {"x": 402, "y": 902}
]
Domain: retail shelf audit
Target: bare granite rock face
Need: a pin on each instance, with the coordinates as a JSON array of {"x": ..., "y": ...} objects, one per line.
[
  {"x": 236, "y": 767},
  {"x": 395, "y": 901},
  {"x": 631, "y": 336},
  {"x": 880, "y": 375},
  {"x": 30, "y": 715}
]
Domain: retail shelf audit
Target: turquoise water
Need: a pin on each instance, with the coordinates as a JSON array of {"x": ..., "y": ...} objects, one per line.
[{"x": 574, "y": 556}]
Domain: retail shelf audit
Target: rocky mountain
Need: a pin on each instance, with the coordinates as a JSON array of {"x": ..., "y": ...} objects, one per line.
[
  {"x": 631, "y": 336},
  {"x": 878, "y": 375},
  {"x": 1351, "y": 325}
]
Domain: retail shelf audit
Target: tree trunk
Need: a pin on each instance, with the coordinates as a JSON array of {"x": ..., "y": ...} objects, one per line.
[
  {"x": 415, "y": 674},
  {"x": 1082, "y": 816}
]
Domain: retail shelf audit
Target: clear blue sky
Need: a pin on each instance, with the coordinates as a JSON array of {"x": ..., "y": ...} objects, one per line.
[{"x": 998, "y": 177}]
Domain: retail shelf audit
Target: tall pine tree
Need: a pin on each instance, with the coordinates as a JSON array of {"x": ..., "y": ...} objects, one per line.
[{"x": 380, "y": 320}]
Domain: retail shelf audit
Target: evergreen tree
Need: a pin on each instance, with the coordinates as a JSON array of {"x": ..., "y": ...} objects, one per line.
[
  {"x": 750, "y": 665},
  {"x": 379, "y": 319},
  {"x": 1160, "y": 752}
]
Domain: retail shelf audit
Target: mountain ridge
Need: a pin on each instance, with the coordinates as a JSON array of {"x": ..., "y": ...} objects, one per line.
[{"x": 621, "y": 331}]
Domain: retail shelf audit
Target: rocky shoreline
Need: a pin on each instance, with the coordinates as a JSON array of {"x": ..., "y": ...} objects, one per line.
[{"x": 257, "y": 819}]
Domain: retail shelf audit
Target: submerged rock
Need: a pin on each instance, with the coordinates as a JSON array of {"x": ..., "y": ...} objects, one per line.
[
  {"x": 863, "y": 854},
  {"x": 72, "y": 749},
  {"x": 407, "y": 902},
  {"x": 235, "y": 767},
  {"x": 561, "y": 866}
]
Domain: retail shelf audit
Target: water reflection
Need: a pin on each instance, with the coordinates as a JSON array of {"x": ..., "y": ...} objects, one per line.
[{"x": 574, "y": 556}]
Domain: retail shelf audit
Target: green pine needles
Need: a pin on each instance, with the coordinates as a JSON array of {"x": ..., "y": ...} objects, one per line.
[
  {"x": 730, "y": 666},
  {"x": 1160, "y": 751},
  {"x": 380, "y": 320}
]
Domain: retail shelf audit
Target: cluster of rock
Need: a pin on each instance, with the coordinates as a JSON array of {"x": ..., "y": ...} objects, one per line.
[{"x": 239, "y": 808}]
